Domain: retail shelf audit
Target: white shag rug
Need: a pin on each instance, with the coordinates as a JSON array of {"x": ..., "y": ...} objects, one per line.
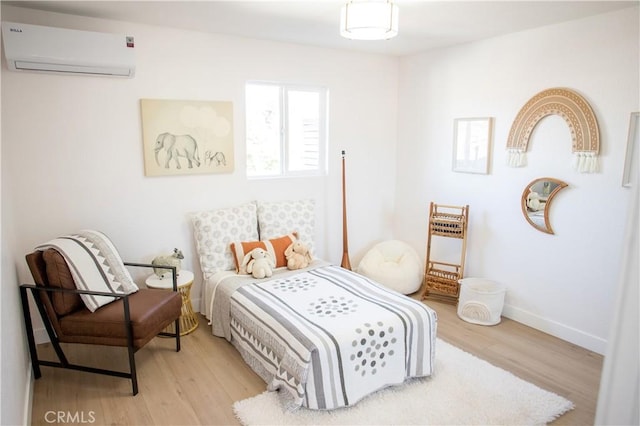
[{"x": 464, "y": 390}]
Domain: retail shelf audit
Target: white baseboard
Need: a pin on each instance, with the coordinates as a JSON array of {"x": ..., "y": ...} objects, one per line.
[
  {"x": 28, "y": 397},
  {"x": 562, "y": 331}
]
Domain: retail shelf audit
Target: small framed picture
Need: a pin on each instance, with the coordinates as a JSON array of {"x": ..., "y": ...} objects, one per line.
[
  {"x": 630, "y": 162},
  {"x": 472, "y": 144}
]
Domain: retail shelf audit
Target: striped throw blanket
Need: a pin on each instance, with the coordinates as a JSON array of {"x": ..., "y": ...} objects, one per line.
[
  {"x": 327, "y": 337},
  {"x": 95, "y": 265}
]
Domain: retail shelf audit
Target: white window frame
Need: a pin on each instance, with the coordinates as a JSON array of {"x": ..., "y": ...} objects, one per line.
[{"x": 284, "y": 88}]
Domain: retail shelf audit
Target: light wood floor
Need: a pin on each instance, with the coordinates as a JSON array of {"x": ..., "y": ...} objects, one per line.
[{"x": 198, "y": 385}]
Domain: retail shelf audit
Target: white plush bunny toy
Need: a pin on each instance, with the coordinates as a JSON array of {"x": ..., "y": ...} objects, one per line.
[
  {"x": 260, "y": 263},
  {"x": 534, "y": 202}
]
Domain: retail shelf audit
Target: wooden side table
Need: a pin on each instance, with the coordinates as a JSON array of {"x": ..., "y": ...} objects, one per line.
[{"x": 188, "y": 318}]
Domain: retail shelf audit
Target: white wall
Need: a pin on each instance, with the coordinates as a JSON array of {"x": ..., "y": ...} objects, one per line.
[
  {"x": 72, "y": 158},
  {"x": 564, "y": 283},
  {"x": 75, "y": 142},
  {"x": 72, "y": 154},
  {"x": 15, "y": 373},
  {"x": 619, "y": 396}
]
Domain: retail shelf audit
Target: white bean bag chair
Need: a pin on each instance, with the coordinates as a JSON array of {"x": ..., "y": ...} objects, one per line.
[{"x": 395, "y": 265}]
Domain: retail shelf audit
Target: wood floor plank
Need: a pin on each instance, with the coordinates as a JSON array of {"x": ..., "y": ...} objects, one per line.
[
  {"x": 198, "y": 385},
  {"x": 170, "y": 404},
  {"x": 228, "y": 367},
  {"x": 208, "y": 398}
]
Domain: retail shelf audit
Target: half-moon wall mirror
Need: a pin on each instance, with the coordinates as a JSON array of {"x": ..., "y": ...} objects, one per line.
[{"x": 536, "y": 202}]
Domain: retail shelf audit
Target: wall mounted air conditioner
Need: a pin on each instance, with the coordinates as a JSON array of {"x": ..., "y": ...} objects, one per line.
[{"x": 58, "y": 50}]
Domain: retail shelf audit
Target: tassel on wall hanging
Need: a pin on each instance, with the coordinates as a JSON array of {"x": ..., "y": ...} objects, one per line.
[{"x": 346, "y": 264}]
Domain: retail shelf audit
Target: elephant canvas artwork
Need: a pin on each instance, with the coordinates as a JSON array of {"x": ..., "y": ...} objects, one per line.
[{"x": 187, "y": 137}]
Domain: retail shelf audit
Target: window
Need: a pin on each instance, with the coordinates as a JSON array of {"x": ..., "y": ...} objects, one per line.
[{"x": 286, "y": 130}]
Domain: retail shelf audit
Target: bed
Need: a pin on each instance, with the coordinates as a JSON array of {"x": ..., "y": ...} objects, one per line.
[{"x": 325, "y": 337}]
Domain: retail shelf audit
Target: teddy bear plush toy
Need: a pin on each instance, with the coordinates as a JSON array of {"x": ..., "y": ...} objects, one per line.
[
  {"x": 260, "y": 263},
  {"x": 297, "y": 255}
]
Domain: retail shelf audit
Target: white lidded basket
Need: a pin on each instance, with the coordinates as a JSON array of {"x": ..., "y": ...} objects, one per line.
[{"x": 481, "y": 301}]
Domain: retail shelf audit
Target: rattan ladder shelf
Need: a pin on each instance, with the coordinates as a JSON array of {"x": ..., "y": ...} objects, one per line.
[{"x": 441, "y": 278}]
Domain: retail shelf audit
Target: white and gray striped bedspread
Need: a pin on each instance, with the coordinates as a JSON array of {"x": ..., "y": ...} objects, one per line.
[{"x": 327, "y": 337}]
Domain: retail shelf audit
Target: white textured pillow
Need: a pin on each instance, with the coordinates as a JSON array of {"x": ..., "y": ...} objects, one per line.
[
  {"x": 284, "y": 217},
  {"x": 214, "y": 230}
]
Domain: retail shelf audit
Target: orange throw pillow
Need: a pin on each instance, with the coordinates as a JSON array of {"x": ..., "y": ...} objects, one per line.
[{"x": 276, "y": 247}]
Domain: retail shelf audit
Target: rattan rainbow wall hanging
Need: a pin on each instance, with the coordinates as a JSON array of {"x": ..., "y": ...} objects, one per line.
[{"x": 575, "y": 110}]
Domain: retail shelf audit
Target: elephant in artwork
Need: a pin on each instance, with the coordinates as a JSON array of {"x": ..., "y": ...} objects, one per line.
[
  {"x": 177, "y": 146},
  {"x": 218, "y": 158}
]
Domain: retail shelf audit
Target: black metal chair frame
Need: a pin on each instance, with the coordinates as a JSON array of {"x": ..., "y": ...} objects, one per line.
[{"x": 63, "y": 362}]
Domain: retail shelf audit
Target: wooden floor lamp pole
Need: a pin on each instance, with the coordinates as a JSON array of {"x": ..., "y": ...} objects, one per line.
[{"x": 346, "y": 264}]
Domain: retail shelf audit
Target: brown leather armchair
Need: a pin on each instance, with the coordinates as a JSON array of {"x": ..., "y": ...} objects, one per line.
[{"x": 130, "y": 321}]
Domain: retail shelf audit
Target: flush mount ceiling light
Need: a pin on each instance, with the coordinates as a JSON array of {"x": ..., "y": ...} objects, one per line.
[{"x": 369, "y": 20}]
